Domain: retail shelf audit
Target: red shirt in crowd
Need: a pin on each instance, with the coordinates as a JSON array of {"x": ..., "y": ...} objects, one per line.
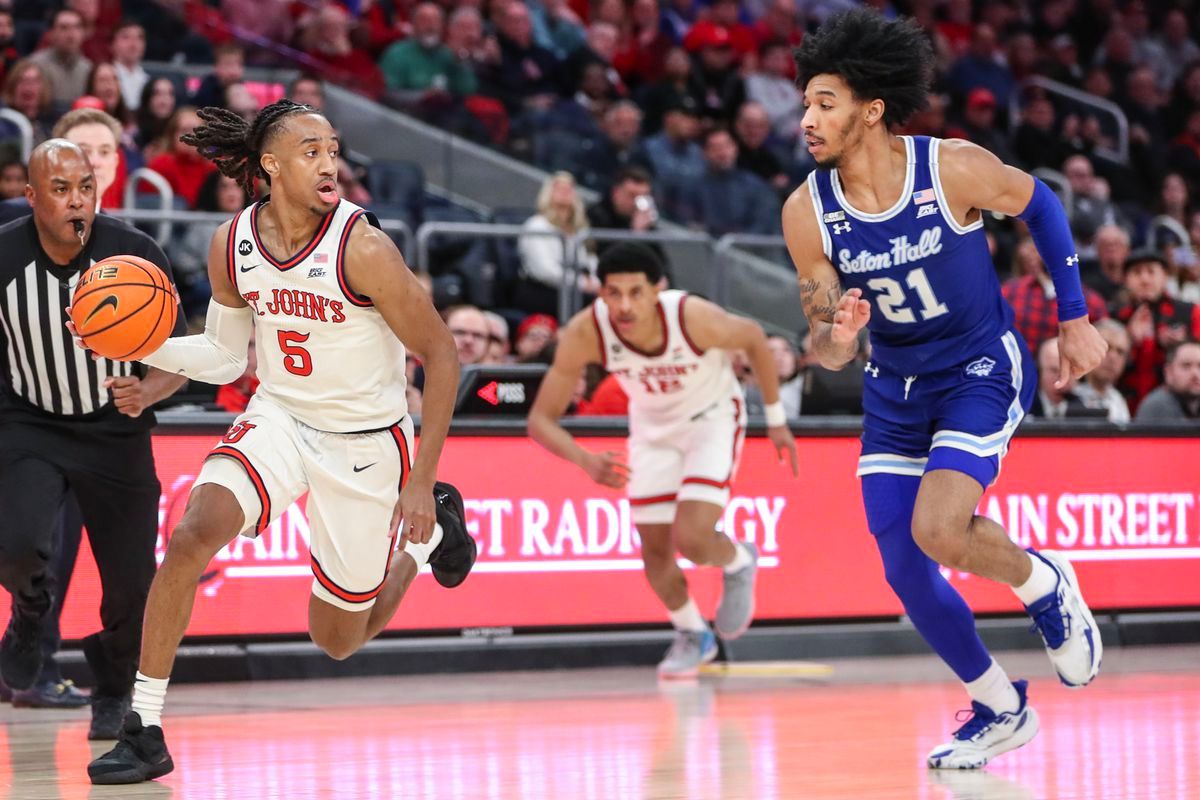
[
  {"x": 234, "y": 397},
  {"x": 608, "y": 400},
  {"x": 1174, "y": 321},
  {"x": 1036, "y": 315},
  {"x": 186, "y": 175}
]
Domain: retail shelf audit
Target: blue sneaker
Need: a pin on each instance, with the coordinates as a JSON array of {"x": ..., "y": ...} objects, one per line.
[
  {"x": 1067, "y": 626},
  {"x": 689, "y": 650},
  {"x": 987, "y": 734}
]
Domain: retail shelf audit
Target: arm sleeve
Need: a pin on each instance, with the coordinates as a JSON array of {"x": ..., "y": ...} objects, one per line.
[
  {"x": 216, "y": 356},
  {"x": 1047, "y": 222}
]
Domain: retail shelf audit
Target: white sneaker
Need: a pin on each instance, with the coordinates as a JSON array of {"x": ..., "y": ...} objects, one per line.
[
  {"x": 689, "y": 650},
  {"x": 986, "y": 735},
  {"x": 1067, "y": 626}
]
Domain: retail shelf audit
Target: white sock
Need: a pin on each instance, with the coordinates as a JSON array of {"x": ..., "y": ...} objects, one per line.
[
  {"x": 149, "y": 694},
  {"x": 741, "y": 558},
  {"x": 420, "y": 552},
  {"x": 994, "y": 690},
  {"x": 687, "y": 617},
  {"x": 1042, "y": 581}
]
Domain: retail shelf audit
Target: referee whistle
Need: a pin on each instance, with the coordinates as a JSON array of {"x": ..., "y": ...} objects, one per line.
[{"x": 78, "y": 223}]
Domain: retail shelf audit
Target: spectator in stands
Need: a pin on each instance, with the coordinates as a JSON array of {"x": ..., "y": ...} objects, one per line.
[
  {"x": 98, "y": 135},
  {"x": 230, "y": 68},
  {"x": 1106, "y": 273},
  {"x": 533, "y": 335},
  {"x": 628, "y": 205},
  {"x": 13, "y": 177},
  {"x": 1184, "y": 155},
  {"x": 469, "y": 327},
  {"x": 128, "y": 49},
  {"x": 156, "y": 108},
  {"x": 773, "y": 87},
  {"x": 724, "y": 15},
  {"x": 421, "y": 70},
  {"x": 1142, "y": 104},
  {"x": 465, "y": 38},
  {"x": 8, "y": 49},
  {"x": 1051, "y": 402},
  {"x": 63, "y": 63},
  {"x": 979, "y": 124},
  {"x": 599, "y": 47},
  {"x": 1177, "y": 45},
  {"x": 779, "y": 26},
  {"x": 1091, "y": 206},
  {"x": 326, "y": 38},
  {"x": 556, "y": 27},
  {"x": 642, "y": 59},
  {"x": 499, "y": 348},
  {"x": 307, "y": 90},
  {"x": 1098, "y": 389},
  {"x": 752, "y": 133},
  {"x": 982, "y": 68},
  {"x": 791, "y": 378},
  {"x": 677, "y": 18},
  {"x": 544, "y": 265},
  {"x": 104, "y": 84},
  {"x": 1062, "y": 65},
  {"x": 675, "y": 151},
  {"x": 189, "y": 253},
  {"x": 726, "y": 199},
  {"x": 616, "y": 149},
  {"x": 241, "y": 101},
  {"x": 1173, "y": 198},
  {"x": 1036, "y": 142},
  {"x": 1179, "y": 396},
  {"x": 1031, "y": 294},
  {"x": 27, "y": 91},
  {"x": 677, "y": 85},
  {"x": 184, "y": 168},
  {"x": 1155, "y": 322},
  {"x": 719, "y": 86},
  {"x": 525, "y": 75},
  {"x": 271, "y": 19}
]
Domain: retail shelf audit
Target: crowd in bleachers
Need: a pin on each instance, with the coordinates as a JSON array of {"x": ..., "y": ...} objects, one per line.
[{"x": 672, "y": 110}]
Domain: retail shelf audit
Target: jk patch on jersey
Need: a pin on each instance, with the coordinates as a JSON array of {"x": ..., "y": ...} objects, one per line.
[
  {"x": 835, "y": 216},
  {"x": 923, "y": 196},
  {"x": 981, "y": 367}
]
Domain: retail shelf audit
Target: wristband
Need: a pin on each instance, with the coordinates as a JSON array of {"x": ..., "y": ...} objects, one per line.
[{"x": 775, "y": 414}]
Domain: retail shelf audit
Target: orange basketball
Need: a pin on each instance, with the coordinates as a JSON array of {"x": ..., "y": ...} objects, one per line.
[{"x": 124, "y": 308}]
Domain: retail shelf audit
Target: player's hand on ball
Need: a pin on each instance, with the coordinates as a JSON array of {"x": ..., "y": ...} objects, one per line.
[
  {"x": 852, "y": 315},
  {"x": 606, "y": 469},
  {"x": 781, "y": 436},
  {"x": 75, "y": 337},
  {"x": 129, "y": 395},
  {"x": 1081, "y": 348},
  {"x": 415, "y": 509}
]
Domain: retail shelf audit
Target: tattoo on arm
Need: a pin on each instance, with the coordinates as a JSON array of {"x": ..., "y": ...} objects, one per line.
[{"x": 815, "y": 307}]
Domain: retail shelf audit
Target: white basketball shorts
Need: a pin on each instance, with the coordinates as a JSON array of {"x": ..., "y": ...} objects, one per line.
[
  {"x": 268, "y": 459},
  {"x": 694, "y": 459}
]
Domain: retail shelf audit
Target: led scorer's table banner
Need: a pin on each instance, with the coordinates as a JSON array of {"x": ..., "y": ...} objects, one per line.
[{"x": 557, "y": 550}]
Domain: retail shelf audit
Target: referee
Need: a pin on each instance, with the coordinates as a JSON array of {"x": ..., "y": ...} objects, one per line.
[{"x": 71, "y": 422}]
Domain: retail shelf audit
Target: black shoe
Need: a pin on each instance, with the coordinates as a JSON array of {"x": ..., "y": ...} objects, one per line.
[
  {"x": 5, "y": 693},
  {"x": 21, "y": 650},
  {"x": 51, "y": 694},
  {"x": 140, "y": 755},
  {"x": 452, "y": 559},
  {"x": 108, "y": 712}
]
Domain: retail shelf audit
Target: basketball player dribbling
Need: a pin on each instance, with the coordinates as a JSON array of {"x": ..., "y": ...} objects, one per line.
[
  {"x": 887, "y": 234},
  {"x": 687, "y": 419},
  {"x": 333, "y": 307}
]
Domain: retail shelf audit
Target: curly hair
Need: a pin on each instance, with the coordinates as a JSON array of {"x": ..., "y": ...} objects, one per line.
[
  {"x": 891, "y": 61},
  {"x": 235, "y": 145}
]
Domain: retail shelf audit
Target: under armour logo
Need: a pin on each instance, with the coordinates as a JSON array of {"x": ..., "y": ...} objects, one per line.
[
  {"x": 842, "y": 227},
  {"x": 1073, "y": 261},
  {"x": 871, "y": 370}
]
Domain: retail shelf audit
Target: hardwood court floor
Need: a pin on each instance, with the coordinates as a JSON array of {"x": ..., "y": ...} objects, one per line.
[{"x": 618, "y": 734}]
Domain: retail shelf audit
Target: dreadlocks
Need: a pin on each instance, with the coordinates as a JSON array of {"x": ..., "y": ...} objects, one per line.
[{"x": 235, "y": 145}]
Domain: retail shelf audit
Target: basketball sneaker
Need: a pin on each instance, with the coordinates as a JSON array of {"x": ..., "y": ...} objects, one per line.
[
  {"x": 21, "y": 650},
  {"x": 689, "y": 650},
  {"x": 987, "y": 734},
  {"x": 736, "y": 609},
  {"x": 452, "y": 559},
  {"x": 140, "y": 755},
  {"x": 1067, "y": 626}
]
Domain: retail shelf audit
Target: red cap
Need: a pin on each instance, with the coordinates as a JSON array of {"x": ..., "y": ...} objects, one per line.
[
  {"x": 88, "y": 101},
  {"x": 706, "y": 34},
  {"x": 537, "y": 321},
  {"x": 981, "y": 98}
]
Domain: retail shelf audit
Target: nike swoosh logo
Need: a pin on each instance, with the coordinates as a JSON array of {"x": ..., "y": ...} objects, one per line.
[
  {"x": 111, "y": 300},
  {"x": 368, "y": 466},
  {"x": 247, "y": 269}
]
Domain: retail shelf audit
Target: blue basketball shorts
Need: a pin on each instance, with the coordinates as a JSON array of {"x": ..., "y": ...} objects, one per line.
[{"x": 960, "y": 418}]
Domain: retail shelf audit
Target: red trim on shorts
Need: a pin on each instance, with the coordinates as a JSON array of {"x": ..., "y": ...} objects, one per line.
[
  {"x": 402, "y": 445},
  {"x": 264, "y": 499},
  {"x": 346, "y": 594},
  {"x": 738, "y": 435},
  {"x": 305, "y": 251},
  {"x": 355, "y": 299},
  {"x": 230, "y": 266},
  {"x": 600, "y": 336},
  {"x": 708, "y": 482},
  {"x": 683, "y": 327},
  {"x": 650, "y": 501}
]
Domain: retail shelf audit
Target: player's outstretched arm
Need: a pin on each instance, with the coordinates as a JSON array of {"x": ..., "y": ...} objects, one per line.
[
  {"x": 375, "y": 268},
  {"x": 709, "y": 326},
  {"x": 834, "y": 318},
  {"x": 578, "y": 346},
  {"x": 219, "y": 354},
  {"x": 973, "y": 178}
]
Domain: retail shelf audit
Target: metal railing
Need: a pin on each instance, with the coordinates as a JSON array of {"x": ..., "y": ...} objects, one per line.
[
  {"x": 25, "y": 129},
  {"x": 1069, "y": 99},
  {"x": 166, "y": 199}
]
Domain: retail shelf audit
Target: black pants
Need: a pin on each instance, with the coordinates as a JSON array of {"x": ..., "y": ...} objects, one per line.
[{"x": 112, "y": 477}]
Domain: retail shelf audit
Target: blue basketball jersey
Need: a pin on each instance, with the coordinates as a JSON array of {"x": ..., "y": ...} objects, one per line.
[{"x": 934, "y": 291}]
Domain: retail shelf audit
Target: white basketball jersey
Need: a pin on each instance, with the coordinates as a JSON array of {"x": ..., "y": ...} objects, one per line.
[
  {"x": 676, "y": 383},
  {"x": 325, "y": 354}
]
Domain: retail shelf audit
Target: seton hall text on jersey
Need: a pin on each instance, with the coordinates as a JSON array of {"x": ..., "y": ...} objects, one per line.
[
  {"x": 298, "y": 303},
  {"x": 901, "y": 253}
]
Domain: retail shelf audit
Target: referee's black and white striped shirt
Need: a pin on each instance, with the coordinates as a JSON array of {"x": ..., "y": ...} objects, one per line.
[{"x": 40, "y": 366}]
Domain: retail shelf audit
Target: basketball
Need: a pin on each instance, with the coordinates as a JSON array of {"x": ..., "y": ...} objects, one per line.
[{"x": 124, "y": 308}]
